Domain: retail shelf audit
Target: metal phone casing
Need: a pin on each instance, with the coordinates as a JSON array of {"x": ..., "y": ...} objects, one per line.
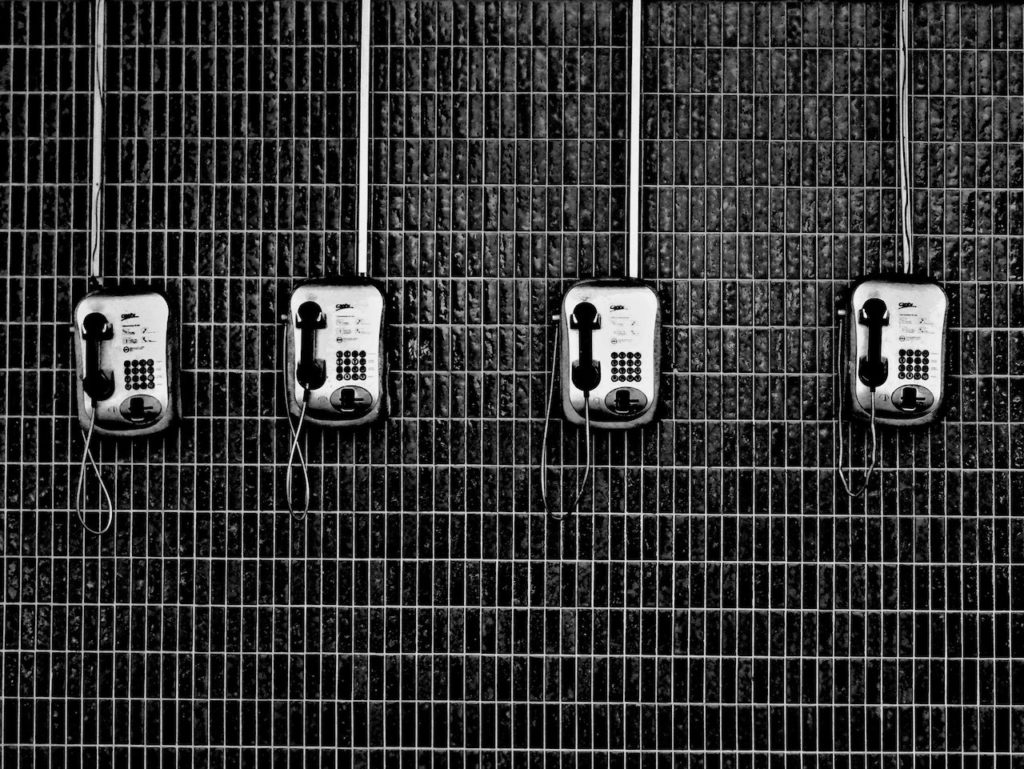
[
  {"x": 141, "y": 356},
  {"x": 628, "y": 347},
  {"x": 352, "y": 347},
  {"x": 913, "y": 345}
]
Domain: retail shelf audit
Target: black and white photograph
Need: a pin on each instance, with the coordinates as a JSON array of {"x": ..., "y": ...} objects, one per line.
[{"x": 512, "y": 383}]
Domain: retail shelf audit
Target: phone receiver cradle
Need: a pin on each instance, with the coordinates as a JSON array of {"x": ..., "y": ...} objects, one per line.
[
  {"x": 334, "y": 348},
  {"x": 125, "y": 361},
  {"x": 896, "y": 342}
]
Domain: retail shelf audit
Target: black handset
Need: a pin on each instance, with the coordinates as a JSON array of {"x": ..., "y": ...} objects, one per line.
[
  {"x": 586, "y": 372},
  {"x": 98, "y": 383},
  {"x": 310, "y": 371},
  {"x": 873, "y": 369}
]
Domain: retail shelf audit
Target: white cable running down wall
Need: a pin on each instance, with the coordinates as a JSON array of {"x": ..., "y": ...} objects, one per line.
[
  {"x": 98, "y": 97},
  {"x": 363, "y": 176},
  {"x": 634, "y": 171},
  {"x": 906, "y": 218}
]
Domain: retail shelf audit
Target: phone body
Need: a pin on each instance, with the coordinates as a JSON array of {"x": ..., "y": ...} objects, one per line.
[
  {"x": 334, "y": 345},
  {"x": 896, "y": 327},
  {"x": 126, "y": 360},
  {"x": 611, "y": 347}
]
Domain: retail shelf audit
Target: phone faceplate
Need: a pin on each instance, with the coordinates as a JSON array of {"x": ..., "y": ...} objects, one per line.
[
  {"x": 628, "y": 347},
  {"x": 140, "y": 357},
  {"x": 351, "y": 347},
  {"x": 913, "y": 344}
]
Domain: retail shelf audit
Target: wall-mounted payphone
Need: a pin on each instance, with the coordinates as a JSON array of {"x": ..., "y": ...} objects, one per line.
[
  {"x": 608, "y": 339},
  {"x": 896, "y": 329},
  {"x": 334, "y": 363},
  {"x": 611, "y": 353},
  {"x": 334, "y": 352},
  {"x": 126, "y": 375},
  {"x": 892, "y": 358},
  {"x": 127, "y": 378}
]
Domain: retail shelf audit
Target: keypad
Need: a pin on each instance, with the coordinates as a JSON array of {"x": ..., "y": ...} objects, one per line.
[
  {"x": 139, "y": 374},
  {"x": 913, "y": 364},
  {"x": 626, "y": 367},
  {"x": 351, "y": 365}
]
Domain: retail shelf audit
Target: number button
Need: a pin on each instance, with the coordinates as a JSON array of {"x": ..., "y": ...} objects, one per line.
[
  {"x": 350, "y": 365},
  {"x": 140, "y": 374}
]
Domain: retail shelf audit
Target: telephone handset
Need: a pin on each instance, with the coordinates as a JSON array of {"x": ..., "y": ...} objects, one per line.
[
  {"x": 873, "y": 369},
  {"x": 97, "y": 382},
  {"x": 611, "y": 353},
  {"x": 586, "y": 372},
  {"x": 334, "y": 352},
  {"x": 126, "y": 367},
  {"x": 310, "y": 371},
  {"x": 897, "y": 341}
]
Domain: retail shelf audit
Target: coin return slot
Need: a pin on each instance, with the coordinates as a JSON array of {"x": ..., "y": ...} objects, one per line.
[{"x": 140, "y": 409}]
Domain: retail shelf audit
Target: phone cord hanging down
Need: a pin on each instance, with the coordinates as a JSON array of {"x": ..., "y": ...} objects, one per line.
[
  {"x": 841, "y": 450},
  {"x": 88, "y": 460},
  {"x": 581, "y": 485},
  {"x": 296, "y": 446}
]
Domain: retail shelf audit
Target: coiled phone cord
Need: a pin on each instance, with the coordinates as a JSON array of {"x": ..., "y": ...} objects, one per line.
[
  {"x": 90, "y": 460},
  {"x": 296, "y": 447},
  {"x": 841, "y": 451},
  {"x": 581, "y": 485}
]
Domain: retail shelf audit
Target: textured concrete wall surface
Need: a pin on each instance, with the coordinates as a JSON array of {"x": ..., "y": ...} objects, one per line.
[{"x": 718, "y": 594}]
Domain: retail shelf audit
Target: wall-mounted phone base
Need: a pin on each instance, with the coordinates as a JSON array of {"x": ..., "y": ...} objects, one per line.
[
  {"x": 896, "y": 343},
  {"x": 126, "y": 361},
  {"x": 611, "y": 345},
  {"x": 334, "y": 346}
]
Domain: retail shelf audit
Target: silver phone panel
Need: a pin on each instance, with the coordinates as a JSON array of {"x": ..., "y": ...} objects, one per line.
[
  {"x": 628, "y": 348},
  {"x": 139, "y": 357},
  {"x": 351, "y": 345},
  {"x": 913, "y": 347}
]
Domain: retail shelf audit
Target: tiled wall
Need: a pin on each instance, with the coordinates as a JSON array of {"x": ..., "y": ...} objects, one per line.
[{"x": 718, "y": 594}]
